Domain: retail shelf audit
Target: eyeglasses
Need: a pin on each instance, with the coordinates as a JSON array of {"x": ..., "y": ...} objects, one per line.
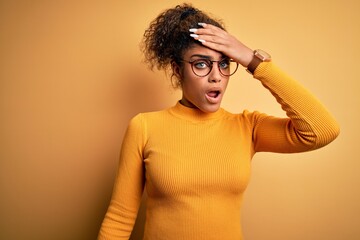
[{"x": 202, "y": 67}]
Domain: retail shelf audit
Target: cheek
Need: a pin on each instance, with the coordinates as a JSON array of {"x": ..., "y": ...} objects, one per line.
[
  {"x": 189, "y": 80},
  {"x": 192, "y": 88},
  {"x": 186, "y": 72}
]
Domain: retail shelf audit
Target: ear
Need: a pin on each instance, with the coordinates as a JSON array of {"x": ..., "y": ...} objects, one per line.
[{"x": 176, "y": 69}]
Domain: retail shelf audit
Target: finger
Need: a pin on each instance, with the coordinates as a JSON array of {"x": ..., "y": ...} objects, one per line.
[
  {"x": 208, "y": 29},
  {"x": 210, "y": 38},
  {"x": 211, "y": 27},
  {"x": 212, "y": 45},
  {"x": 212, "y": 42},
  {"x": 213, "y": 39},
  {"x": 209, "y": 35}
]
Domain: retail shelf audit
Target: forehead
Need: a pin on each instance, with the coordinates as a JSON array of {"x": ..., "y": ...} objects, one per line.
[{"x": 196, "y": 51}]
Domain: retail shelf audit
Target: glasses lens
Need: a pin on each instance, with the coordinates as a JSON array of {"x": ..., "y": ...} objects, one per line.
[
  {"x": 201, "y": 67},
  {"x": 228, "y": 67}
]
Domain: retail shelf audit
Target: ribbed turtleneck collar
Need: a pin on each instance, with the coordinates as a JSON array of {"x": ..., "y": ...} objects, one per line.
[{"x": 194, "y": 114}]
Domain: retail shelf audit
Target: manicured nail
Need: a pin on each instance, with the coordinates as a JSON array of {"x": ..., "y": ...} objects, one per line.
[
  {"x": 202, "y": 24},
  {"x": 194, "y": 35},
  {"x": 201, "y": 40},
  {"x": 193, "y": 30}
]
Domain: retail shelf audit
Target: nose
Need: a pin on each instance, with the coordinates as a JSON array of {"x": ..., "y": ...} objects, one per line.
[{"x": 215, "y": 75}]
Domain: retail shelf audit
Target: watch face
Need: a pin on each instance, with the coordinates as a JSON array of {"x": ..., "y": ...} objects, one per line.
[{"x": 264, "y": 56}]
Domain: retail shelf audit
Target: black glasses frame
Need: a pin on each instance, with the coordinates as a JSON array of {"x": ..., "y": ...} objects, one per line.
[{"x": 211, "y": 66}]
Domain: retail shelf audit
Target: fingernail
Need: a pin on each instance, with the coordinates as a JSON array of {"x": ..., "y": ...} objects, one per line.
[
  {"x": 202, "y": 24},
  {"x": 193, "y": 30},
  {"x": 201, "y": 40},
  {"x": 194, "y": 35}
]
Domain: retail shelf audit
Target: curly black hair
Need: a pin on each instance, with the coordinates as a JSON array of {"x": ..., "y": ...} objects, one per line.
[{"x": 168, "y": 35}]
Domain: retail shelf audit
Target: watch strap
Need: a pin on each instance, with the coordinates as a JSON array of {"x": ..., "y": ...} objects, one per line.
[{"x": 254, "y": 64}]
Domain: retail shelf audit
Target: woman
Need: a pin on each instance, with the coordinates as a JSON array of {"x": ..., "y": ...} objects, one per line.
[{"x": 194, "y": 158}]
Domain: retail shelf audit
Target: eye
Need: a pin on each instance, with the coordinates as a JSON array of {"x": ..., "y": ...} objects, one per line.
[
  {"x": 201, "y": 64},
  {"x": 224, "y": 64}
]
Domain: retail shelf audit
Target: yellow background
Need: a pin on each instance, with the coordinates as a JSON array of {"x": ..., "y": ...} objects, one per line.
[{"x": 71, "y": 76}]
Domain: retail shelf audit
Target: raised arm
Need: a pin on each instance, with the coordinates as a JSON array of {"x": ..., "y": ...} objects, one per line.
[{"x": 309, "y": 125}]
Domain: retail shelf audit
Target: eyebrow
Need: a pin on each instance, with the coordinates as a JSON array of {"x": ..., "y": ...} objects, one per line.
[
  {"x": 201, "y": 56},
  {"x": 206, "y": 56}
]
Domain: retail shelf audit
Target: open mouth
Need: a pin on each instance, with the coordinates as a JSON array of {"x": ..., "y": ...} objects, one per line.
[{"x": 213, "y": 94}]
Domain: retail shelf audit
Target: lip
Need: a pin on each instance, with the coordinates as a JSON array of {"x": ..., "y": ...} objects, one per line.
[{"x": 217, "y": 98}]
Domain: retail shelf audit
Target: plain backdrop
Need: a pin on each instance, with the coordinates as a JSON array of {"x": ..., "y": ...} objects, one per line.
[{"x": 72, "y": 75}]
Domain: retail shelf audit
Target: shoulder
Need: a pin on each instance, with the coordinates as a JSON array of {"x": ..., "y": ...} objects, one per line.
[
  {"x": 245, "y": 119},
  {"x": 142, "y": 119},
  {"x": 150, "y": 116},
  {"x": 245, "y": 115}
]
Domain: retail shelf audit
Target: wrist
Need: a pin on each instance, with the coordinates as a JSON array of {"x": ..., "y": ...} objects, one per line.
[{"x": 246, "y": 57}]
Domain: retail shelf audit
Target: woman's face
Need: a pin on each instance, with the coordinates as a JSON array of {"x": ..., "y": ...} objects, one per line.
[{"x": 204, "y": 93}]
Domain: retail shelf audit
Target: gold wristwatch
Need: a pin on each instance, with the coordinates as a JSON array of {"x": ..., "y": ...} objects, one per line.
[{"x": 259, "y": 57}]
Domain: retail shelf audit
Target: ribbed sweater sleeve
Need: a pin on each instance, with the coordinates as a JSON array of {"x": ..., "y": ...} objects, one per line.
[
  {"x": 309, "y": 126},
  {"x": 121, "y": 215}
]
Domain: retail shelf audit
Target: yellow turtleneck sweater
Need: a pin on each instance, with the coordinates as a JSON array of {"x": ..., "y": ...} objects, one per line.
[{"x": 196, "y": 165}]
